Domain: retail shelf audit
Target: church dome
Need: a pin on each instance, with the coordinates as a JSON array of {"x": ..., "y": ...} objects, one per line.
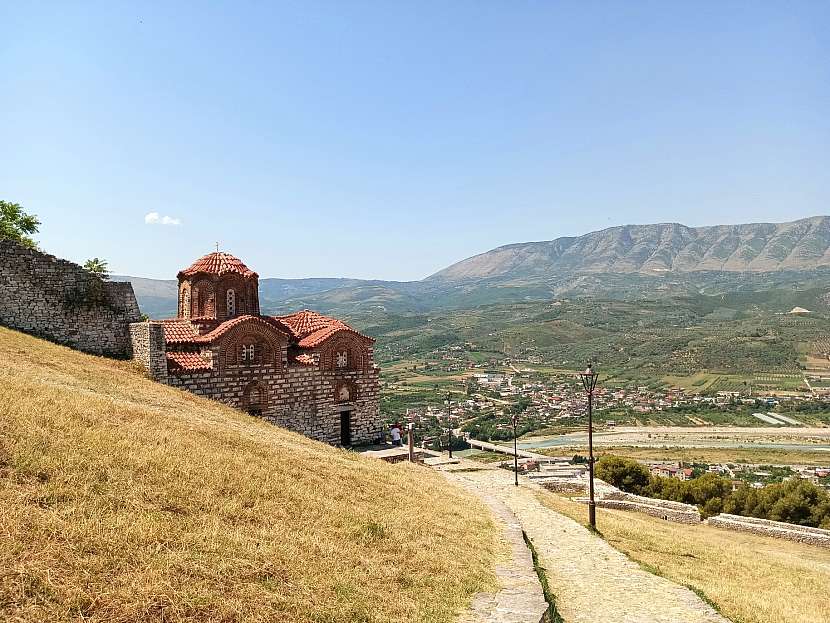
[{"x": 218, "y": 263}]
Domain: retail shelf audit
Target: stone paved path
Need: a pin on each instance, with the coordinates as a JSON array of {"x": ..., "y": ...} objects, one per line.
[
  {"x": 520, "y": 598},
  {"x": 592, "y": 581}
]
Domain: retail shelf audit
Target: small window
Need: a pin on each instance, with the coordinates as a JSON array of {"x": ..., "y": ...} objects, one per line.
[
  {"x": 231, "y": 300},
  {"x": 248, "y": 352},
  {"x": 343, "y": 359}
]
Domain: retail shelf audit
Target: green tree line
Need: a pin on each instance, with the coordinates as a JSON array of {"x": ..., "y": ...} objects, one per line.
[{"x": 795, "y": 501}]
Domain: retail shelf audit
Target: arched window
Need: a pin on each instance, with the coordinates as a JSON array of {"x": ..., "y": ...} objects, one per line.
[
  {"x": 248, "y": 353},
  {"x": 231, "y": 303},
  {"x": 186, "y": 303},
  {"x": 342, "y": 358}
]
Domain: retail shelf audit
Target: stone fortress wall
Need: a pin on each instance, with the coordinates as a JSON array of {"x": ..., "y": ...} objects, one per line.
[{"x": 55, "y": 299}]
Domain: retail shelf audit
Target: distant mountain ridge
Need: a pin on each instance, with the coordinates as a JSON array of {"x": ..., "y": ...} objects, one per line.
[
  {"x": 620, "y": 262},
  {"x": 660, "y": 248}
]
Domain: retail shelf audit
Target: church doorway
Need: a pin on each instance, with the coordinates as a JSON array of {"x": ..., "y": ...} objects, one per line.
[{"x": 346, "y": 428}]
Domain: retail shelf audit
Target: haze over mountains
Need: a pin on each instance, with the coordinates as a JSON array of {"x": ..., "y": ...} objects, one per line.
[{"x": 620, "y": 261}]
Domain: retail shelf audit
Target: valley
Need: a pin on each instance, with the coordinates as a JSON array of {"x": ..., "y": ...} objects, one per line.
[{"x": 734, "y": 338}]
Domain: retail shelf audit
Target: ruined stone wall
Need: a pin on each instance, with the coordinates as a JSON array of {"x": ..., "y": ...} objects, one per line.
[
  {"x": 60, "y": 301},
  {"x": 664, "y": 509},
  {"x": 777, "y": 529},
  {"x": 690, "y": 515},
  {"x": 149, "y": 348},
  {"x": 300, "y": 398}
]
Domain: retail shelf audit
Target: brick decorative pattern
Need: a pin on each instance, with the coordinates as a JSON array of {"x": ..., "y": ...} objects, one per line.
[
  {"x": 55, "y": 299},
  {"x": 306, "y": 372}
]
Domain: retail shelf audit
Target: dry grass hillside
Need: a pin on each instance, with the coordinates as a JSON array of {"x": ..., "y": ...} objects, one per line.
[{"x": 124, "y": 500}]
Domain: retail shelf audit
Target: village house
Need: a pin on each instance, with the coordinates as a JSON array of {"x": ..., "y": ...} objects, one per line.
[
  {"x": 304, "y": 371},
  {"x": 671, "y": 471}
]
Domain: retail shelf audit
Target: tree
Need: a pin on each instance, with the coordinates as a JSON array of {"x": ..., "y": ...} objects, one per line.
[
  {"x": 97, "y": 267},
  {"x": 16, "y": 225},
  {"x": 625, "y": 474}
]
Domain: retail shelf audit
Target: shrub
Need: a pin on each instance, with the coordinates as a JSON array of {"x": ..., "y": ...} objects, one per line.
[{"x": 625, "y": 474}]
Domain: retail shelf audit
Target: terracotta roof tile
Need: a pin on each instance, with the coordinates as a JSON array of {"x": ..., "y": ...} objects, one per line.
[
  {"x": 318, "y": 337},
  {"x": 230, "y": 324},
  {"x": 305, "y": 360},
  {"x": 304, "y": 322},
  {"x": 218, "y": 263},
  {"x": 307, "y": 329},
  {"x": 310, "y": 328},
  {"x": 187, "y": 361},
  {"x": 178, "y": 331}
]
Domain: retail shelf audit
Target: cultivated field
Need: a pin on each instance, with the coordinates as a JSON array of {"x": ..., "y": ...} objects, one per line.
[
  {"x": 759, "y": 456},
  {"x": 749, "y": 578},
  {"x": 794, "y": 438},
  {"x": 124, "y": 500}
]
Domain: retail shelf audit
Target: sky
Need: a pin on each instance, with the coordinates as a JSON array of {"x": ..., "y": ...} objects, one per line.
[{"x": 387, "y": 140}]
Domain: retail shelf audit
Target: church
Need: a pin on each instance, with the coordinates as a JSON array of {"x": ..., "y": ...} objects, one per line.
[{"x": 305, "y": 371}]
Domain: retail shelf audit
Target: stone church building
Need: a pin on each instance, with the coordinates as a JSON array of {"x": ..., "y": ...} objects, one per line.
[{"x": 306, "y": 372}]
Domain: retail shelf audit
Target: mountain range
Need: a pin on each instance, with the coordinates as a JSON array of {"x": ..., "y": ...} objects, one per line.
[{"x": 626, "y": 261}]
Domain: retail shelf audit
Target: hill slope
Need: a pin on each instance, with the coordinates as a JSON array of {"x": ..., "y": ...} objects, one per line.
[
  {"x": 125, "y": 500},
  {"x": 654, "y": 249}
]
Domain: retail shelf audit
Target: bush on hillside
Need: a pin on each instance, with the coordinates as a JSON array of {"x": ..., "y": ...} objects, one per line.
[
  {"x": 626, "y": 474},
  {"x": 795, "y": 501}
]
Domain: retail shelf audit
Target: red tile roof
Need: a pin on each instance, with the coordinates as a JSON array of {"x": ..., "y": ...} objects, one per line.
[
  {"x": 318, "y": 337},
  {"x": 311, "y": 329},
  {"x": 305, "y": 322},
  {"x": 187, "y": 361},
  {"x": 179, "y": 331},
  {"x": 305, "y": 360},
  {"x": 230, "y": 324},
  {"x": 218, "y": 263}
]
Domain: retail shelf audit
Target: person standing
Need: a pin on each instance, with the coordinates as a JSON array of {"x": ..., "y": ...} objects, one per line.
[{"x": 396, "y": 434}]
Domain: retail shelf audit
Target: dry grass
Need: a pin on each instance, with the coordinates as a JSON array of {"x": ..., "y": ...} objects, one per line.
[
  {"x": 749, "y": 578},
  {"x": 123, "y": 500}
]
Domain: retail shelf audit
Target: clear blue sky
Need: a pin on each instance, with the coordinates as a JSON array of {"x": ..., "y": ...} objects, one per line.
[{"x": 390, "y": 139}]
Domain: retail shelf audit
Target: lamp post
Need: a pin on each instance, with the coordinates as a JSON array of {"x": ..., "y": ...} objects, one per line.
[
  {"x": 515, "y": 451},
  {"x": 449, "y": 424},
  {"x": 589, "y": 382}
]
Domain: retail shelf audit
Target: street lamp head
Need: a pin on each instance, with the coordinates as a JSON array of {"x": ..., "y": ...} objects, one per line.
[{"x": 589, "y": 378}]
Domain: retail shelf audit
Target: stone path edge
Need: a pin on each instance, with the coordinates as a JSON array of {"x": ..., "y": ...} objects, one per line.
[{"x": 520, "y": 598}]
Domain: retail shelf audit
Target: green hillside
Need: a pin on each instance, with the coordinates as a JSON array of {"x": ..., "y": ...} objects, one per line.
[{"x": 739, "y": 332}]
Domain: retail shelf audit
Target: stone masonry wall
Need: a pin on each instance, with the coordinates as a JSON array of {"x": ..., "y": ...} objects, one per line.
[
  {"x": 690, "y": 516},
  {"x": 60, "y": 301},
  {"x": 149, "y": 348},
  {"x": 300, "y": 398},
  {"x": 778, "y": 529}
]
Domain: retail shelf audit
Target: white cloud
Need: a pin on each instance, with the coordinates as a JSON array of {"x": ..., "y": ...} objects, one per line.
[{"x": 154, "y": 218}]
